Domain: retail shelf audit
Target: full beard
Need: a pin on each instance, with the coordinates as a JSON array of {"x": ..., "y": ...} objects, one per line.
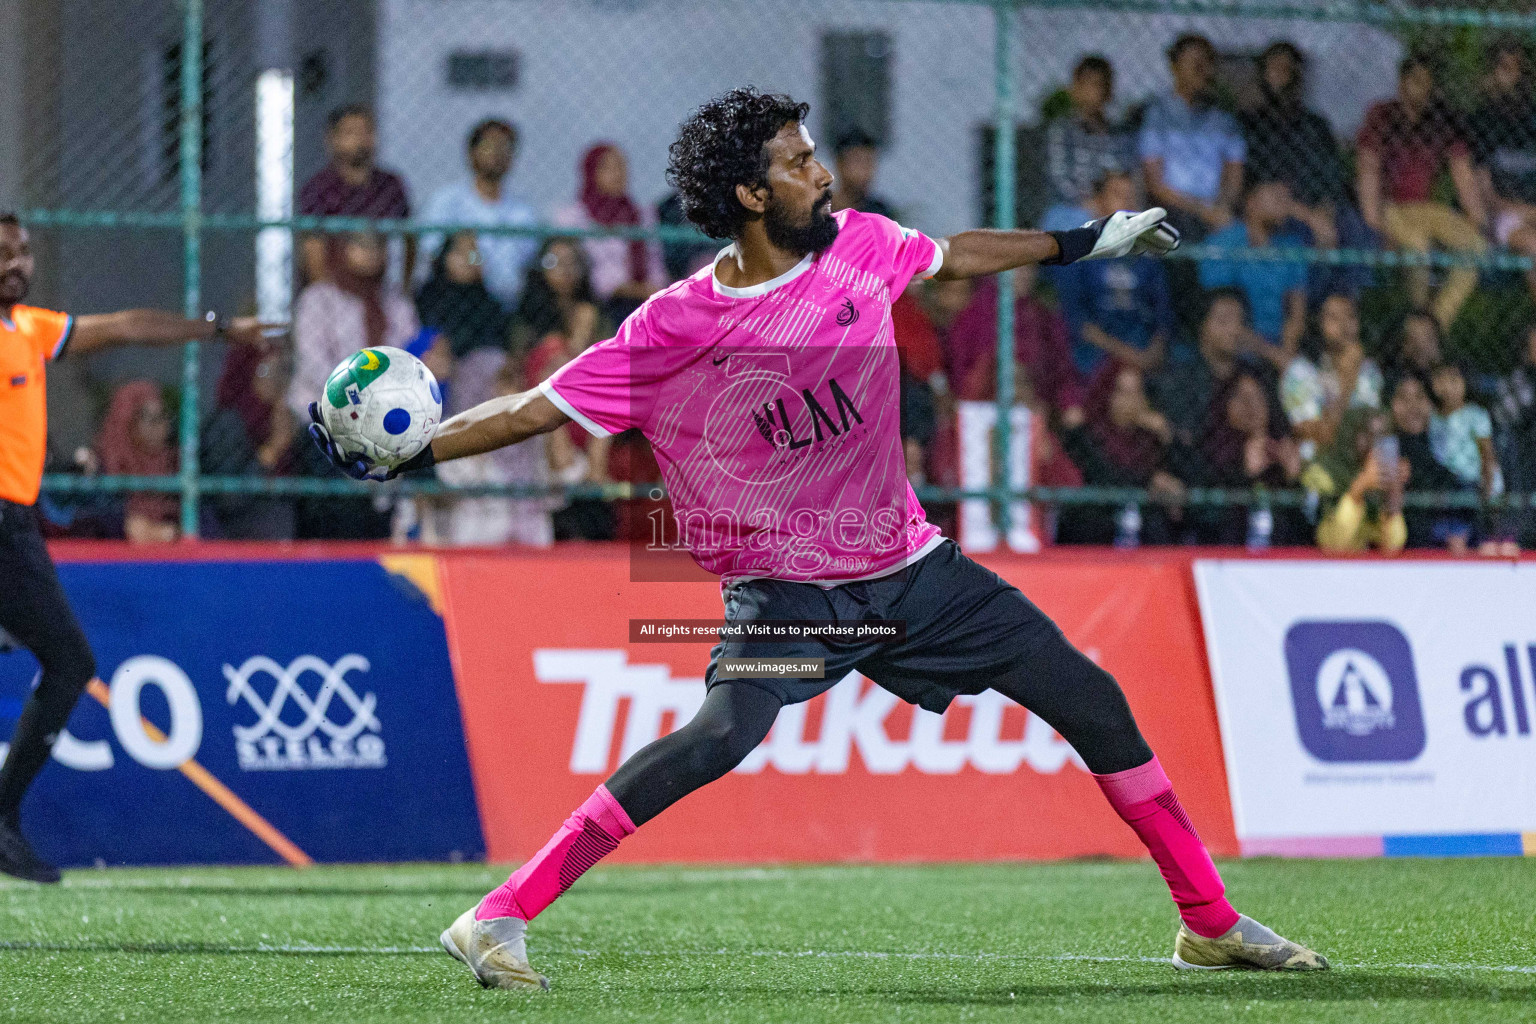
[
  {"x": 13, "y": 288},
  {"x": 816, "y": 235}
]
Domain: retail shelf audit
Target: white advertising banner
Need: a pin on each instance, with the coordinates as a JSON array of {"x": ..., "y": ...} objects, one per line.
[{"x": 1375, "y": 708}]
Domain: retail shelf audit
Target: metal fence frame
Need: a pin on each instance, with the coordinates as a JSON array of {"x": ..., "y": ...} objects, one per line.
[{"x": 193, "y": 223}]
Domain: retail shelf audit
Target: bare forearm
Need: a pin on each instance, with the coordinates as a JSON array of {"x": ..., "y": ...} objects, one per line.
[
  {"x": 136, "y": 327},
  {"x": 988, "y": 251},
  {"x": 496, "y": 424}
]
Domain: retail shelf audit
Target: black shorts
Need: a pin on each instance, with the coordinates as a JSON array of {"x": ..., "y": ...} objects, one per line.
[
  {"x": 965, "y": 628},
  {"x": 34, "y": 612}
]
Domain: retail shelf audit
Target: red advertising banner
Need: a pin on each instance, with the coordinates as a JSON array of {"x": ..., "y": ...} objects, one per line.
[{"x": 554, "y": 697}]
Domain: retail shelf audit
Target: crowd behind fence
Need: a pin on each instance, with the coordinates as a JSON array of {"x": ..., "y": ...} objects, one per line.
[{"x": 1343, "y": 353}]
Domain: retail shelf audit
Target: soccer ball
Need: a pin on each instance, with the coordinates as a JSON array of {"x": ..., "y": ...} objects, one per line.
[{"x": 382, "y": 404}]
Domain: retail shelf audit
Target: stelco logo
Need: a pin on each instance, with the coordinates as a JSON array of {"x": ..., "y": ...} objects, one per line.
[
  {"x": 852, "y": 719},
  {"x": 270, "y": 742}
]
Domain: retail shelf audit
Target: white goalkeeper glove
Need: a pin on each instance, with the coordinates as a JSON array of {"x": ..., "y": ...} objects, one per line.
[{"x": 1124, "y": 233}]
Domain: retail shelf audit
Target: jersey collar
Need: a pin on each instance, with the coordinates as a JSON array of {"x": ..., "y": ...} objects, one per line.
[{"x": 755, "y": 290}]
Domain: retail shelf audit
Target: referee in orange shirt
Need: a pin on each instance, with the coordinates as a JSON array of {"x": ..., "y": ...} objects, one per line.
[{"x": 33, "y": 609}]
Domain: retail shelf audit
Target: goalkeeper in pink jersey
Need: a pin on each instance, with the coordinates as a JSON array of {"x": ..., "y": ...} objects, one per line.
[{"x": 768, "y": 386}]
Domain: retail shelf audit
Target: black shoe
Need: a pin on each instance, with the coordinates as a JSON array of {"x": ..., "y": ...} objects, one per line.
[{"x": 18, "y": 858}]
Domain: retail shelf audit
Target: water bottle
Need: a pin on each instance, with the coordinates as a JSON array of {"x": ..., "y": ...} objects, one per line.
[
  {"x": 1261, "y": 525},
  {"x": 1128, "y": 527}
]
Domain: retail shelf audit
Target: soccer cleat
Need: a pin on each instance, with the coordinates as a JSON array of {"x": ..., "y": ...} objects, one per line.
[
  {"x": 1248, "y": 945},
  {"x": 19, "y": 859},
  {"x": 493, "y": 950}
]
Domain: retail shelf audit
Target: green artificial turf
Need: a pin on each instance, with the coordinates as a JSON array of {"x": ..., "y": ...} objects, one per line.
[{"x": 1419, "y": 941}]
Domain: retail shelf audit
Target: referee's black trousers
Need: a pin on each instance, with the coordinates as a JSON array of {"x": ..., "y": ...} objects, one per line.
[{"x": 36, "y": 615}]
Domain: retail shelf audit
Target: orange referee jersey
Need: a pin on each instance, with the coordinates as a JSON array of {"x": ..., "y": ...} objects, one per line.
[{"x": 28, "y": 340}]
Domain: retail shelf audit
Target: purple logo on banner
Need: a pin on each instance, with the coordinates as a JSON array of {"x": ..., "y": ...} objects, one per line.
[{"x": 1354, "y": 691}]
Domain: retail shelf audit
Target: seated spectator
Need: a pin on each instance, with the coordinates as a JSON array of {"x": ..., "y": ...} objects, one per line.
[
  {"x": 1119, "y": 440},
  {"x": 1503, "y": 136},
  {"x": 1043, "y": 369},
  {"x": 455, "y": 300},
  {"x": 1082, "y": 146},
  {"x": 484, "y": 198},
  {"x": 1276, "y": 289},
  {"x": 1245, "y": 446},
  {"x": 857, "y": 161},
  {"x": 1514, "y": 414},
  {"x": 625, "y": 271},
  {"x": 351, "y": 185},
  {"x": 1330, "y": 376},
  {"x": 1360, "y": 505},
  {"x": 1191, "y": 151},
  {"x": 1287, "y": 142},
  {"x": 136, "y": 439},
  {"x": 1118, "y": 310},
  {"x": 1403, "y": 145},
  {"x": 251, "y": 432},
  {"x": 1461, "y": 432},
  {"x": 1411, "y": 421},
  {"x": 558, "y": 307},
  {"x": 1417, "y": 349},
  {"x": 352, "y": 309},
  {"x": 682, "y": 259},
  {"x": 1186, "y": 390}
]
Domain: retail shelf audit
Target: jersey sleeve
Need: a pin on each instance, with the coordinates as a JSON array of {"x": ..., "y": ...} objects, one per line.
[
  {"x": 49, "y": 331},
  {"x": 904, "y": 252},
  {"x": 612, "y": 386}
]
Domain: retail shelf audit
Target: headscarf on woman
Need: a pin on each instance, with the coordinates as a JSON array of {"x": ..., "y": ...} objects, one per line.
[
  {"x": 1137, "y": 451},
  {"x": 466, "y": 311},
  {"x": 367, "y": 290},
  {"x": 612, "y": 211},
  {"x": 123, "y": 455}
]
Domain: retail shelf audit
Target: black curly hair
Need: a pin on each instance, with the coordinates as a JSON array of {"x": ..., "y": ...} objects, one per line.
[{"x": 722, "y": 145}]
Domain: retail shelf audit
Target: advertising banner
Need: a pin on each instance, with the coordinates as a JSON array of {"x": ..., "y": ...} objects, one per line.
[
  {"x": 555, "y": 696},
  {"x": 1371, "y": 708},
  {"x": 251, "y": 711}
]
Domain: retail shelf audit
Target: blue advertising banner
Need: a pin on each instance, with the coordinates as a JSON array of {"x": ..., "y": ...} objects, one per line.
[{"x": 258, "y": 711}]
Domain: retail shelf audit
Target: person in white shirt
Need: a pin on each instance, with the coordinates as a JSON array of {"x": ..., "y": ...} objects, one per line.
[{"x": 484, "y": 199}]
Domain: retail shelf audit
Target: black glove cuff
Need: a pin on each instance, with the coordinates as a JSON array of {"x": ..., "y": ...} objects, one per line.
[
  {"x": 423, "y": 459},
  {"x": 1075, "y": 244}
]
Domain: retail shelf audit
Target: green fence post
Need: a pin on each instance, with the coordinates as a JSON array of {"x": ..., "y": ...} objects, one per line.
[
  {"x": 192, "y": 237},
  {"x": 1005, "y": 20}
]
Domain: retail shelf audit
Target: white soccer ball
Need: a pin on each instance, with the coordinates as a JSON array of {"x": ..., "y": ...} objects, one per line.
[{"x": 382, "y": 404}]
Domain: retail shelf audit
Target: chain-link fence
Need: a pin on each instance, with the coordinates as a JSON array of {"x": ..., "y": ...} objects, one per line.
[{"x": 482, "y": 181}]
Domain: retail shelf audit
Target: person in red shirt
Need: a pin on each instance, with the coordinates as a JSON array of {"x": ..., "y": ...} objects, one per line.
[
  {"x": 34, "y": 612},
  {"x": 351, "y": 184},
  {"x": 1403, "y": 145}
]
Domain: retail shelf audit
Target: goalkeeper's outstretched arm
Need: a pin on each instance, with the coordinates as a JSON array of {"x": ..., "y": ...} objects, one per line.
[
  {"x": 981, "y": 252},
  {"x": 495, "y": 424}
]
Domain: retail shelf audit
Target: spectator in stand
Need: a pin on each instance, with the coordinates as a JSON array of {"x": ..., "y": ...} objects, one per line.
[
  {"x": 1289, "y": 143},
  {"x": 1244, "y": 445},
  {"x": 1412, "y": 421},
  {"x": 682, "y": 259},
  {"x": 857, "y": 161},
  {"x": 136, "y": 440},
  {"x": 558, "y": 309},
  {"x": 484, "y": 199},
  {"x": 350, "y": 309},
  {"x": 1514, "y": 414},
  {"x": 625, "y": 271},
  {"x": 1118, "y": 310},
  {"x": 1360, "y": 505},
  {"x": 1417, "y": 348},
  {"x": 1119, "y": 440},
  {"x": 251, "y": 433},
  {"x": 351, "y": 185},
  {"x": 1403, "y": 145},
  {"x": 1329, "y": 377},
  {"x": 1083, "y": 146},
  {"x": 1043, "y": 368},
  {"x": 455, "y": 301},
  {"x": 1192, "y": 152},
  {"x": 1186, "y": 390},
  {"x": 1276, "y": 289},
  {"x": 1461, "y": 432},
  {"x": 1503, "y": 134}
]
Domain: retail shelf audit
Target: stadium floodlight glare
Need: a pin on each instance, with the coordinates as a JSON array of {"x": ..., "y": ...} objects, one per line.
[{"x": 274, "y": 194}]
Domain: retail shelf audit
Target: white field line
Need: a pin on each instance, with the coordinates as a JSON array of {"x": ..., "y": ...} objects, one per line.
[{"x": 851, "y": 954}]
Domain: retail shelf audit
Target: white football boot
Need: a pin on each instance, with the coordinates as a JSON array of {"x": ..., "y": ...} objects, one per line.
[
  {"x": 1249, "y": 945},
  {"x": 494, "y": 950}
]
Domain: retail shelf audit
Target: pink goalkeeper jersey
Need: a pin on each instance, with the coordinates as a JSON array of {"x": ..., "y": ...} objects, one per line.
[{"x": 774, "y": 411}]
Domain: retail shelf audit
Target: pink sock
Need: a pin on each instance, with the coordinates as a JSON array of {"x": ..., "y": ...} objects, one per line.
[
  {"x": 1144, "y": 799},
  {"x": 591, "y": 833}
]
